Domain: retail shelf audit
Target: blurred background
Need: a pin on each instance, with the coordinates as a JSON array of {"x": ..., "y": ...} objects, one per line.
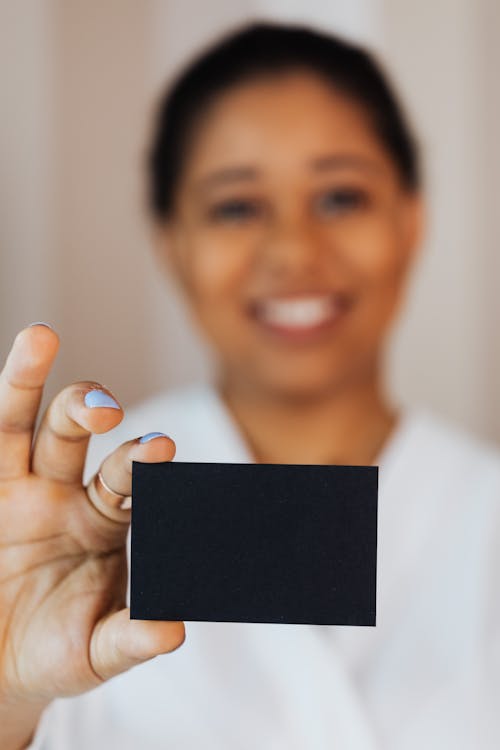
[{"x": 79, "y": 79}]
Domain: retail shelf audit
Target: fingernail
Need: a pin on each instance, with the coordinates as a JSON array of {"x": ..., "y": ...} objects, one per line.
[
  {"x": 99, "y": 398},
  {"x": 151, "y": 436},
  {"x": 40, "y": 323}
]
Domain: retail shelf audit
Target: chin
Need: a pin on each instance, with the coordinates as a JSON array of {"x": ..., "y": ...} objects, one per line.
[{"x": 300, "y": 386}]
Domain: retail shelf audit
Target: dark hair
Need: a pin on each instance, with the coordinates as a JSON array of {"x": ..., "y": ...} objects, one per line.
[{"x": 257, "y": 50}]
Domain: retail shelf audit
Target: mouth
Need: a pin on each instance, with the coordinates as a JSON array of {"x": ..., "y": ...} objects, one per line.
[{"x": 301, "y": 318}]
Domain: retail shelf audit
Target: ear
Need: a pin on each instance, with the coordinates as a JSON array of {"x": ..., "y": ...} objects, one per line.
[
  {"x": 413, "y": 225},
  {"x": 166, "y": 251}
]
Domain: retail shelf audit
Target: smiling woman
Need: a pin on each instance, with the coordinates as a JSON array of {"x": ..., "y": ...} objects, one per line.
[
  {"x": 296, "y": 232},
  {"x": 286, "y": 197},
  {"x": 284, "y": 182}
]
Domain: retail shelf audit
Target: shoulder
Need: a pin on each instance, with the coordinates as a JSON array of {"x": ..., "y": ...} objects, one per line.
[
  {"x": 173, "y": 406},
  {"x": 439, "y": 461},
  {"x": 444, "y": 442}
]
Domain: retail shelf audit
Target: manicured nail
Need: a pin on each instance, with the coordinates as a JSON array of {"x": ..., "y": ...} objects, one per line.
[
  {"x": 151, "y": 436},
  {"x": 99, "y": 398},
  {"x": 40, "y": 323}
]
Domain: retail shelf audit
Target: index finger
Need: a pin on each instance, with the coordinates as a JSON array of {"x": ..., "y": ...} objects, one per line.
[
  {"x": 21, "y": 386},
  {"x": 60, "y": 447}
]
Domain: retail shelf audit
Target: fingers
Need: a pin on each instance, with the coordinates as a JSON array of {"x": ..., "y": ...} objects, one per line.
[
  {"x": 119, "y": 643},
  {"x": 21, "y": 385},
  {"x": 61, "y": 443},
  {"x": 108, "y": 488}
]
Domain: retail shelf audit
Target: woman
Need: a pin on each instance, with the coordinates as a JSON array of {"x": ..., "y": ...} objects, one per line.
[{"x": 285, "y": 188}]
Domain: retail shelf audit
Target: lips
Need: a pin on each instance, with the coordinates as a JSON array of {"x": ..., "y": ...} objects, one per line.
[{"x": 299, "y": 317}]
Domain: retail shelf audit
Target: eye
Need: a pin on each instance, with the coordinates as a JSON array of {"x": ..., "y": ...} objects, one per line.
[
  {"x": 234, "y": 211},
  {"x": 340, "y": 200}
]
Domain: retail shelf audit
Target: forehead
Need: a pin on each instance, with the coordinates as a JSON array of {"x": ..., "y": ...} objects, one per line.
[{"x": 281, "y": 120}]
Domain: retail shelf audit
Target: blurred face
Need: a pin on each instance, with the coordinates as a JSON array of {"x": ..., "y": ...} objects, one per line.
[{"x": 291, "y": 235}]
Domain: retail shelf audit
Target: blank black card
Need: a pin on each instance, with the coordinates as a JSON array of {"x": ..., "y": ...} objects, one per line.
[{"x": 275, "y": 543}]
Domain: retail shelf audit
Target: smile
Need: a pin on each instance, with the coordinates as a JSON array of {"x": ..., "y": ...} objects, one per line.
[{"x": 299, "y": 317}]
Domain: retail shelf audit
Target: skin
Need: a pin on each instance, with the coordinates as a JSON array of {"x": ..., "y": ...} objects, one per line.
[
  {"x": 319, "y": 208},
  {"x": 63, "y": 566},
  {"x": 287, "y": 190}
]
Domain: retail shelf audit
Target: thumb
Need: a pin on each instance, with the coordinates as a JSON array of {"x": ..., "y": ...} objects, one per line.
[{"x": 119, "y": 643}]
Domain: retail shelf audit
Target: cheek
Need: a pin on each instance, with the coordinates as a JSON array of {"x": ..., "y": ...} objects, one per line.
[
  {"x": 375, "y": 260},
  {"x": 216, "y": 271},
  {"x": 372, "y": 253}
]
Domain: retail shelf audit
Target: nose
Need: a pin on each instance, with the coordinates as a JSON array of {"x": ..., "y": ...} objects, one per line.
[{"x": 291, "y": 249}]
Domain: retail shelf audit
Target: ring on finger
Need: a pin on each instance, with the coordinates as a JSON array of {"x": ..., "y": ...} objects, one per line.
[{"x": 109, "y": 503}]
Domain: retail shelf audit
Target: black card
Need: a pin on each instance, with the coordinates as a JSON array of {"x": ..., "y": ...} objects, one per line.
[{"x": 282, "y": 543}]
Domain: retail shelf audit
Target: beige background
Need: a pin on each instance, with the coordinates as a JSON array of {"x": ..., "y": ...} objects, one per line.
[{"x": 78, "y": 82}]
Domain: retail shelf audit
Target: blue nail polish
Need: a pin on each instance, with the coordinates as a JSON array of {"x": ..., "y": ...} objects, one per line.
[
  {"x": 99, "y": 398},
  {"x": 40, "y": 323},
  {"x": 151, "y": 436}
]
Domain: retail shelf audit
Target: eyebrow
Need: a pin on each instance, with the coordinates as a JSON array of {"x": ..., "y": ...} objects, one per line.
[
  {"x": 228, "y": 175},
  {"x": 338, "y": 161},
  {"x": 318, "y": 164}
]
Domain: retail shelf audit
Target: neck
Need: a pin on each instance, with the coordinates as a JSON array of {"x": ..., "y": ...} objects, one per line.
[{"x": 343, "y": 425}]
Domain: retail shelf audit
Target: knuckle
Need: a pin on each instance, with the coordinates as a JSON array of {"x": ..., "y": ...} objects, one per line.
[
  {"x": 15, "y": 424},
  {"x": 82, "y": 386}
]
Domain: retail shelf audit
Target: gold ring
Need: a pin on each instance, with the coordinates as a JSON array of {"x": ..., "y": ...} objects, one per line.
[{"x": 109, "y": 503}]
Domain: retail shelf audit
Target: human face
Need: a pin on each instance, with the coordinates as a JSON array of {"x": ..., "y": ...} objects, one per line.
[{"x": 291, "y": 235}]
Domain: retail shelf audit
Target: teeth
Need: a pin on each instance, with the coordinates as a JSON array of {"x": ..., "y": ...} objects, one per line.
[{"x": 307, "y": 311}]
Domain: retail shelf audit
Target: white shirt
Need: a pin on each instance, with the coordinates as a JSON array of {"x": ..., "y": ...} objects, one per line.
[{"x": 427, "y": 676}]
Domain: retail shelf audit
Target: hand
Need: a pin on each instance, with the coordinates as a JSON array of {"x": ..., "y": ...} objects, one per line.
[{"x": 64, "y": 627}]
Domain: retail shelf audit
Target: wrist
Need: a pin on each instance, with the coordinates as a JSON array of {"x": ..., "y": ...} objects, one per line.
[{"x": 18, "y": 722}]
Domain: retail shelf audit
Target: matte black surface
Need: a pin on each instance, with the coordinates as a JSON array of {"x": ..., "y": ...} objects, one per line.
[{"x": 280, "y": 543}]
